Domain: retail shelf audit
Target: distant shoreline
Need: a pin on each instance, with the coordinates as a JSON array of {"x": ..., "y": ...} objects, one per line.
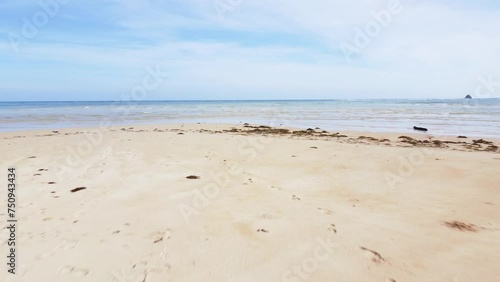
[
  {"x": 477, "y": 117},
  {"x": 397, "y": 139}
]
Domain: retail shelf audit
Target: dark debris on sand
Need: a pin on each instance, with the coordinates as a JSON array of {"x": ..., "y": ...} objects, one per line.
[
  {"x": 461, "y": 226},
  {"x": 315, "y": 134},
  {"x": 78, "y": 189}
]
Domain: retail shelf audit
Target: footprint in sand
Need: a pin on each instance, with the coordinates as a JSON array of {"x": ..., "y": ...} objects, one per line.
[
  {"x": 139, "y": 274},
  {"x": 332, "y": 228},
  {"x": 153, "y": 267},
  {"x": 159, "y": 236},
  {"x": 375, "y": 256},
  {"x": 156, "y": 237},
  {"x": 131, "y": 274},
  {"x": 65, "y": 245},
  {"x": 325, "y": 211},
  {"x": 268, "y": 216},
  {"x": 73, "y": 271},
  {"x": 164, "y": 261}
]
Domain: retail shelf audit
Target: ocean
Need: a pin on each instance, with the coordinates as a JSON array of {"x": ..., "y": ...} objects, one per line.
[{"x": 475, "y": 117}]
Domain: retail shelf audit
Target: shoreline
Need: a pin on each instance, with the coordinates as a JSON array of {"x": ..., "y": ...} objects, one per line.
[
  {"x": 408, "y": 131},
  {"x": 416, "y": 139},
  {"x": 454, "y": 117}
]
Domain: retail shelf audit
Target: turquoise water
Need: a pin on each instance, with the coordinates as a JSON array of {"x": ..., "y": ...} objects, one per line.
[{"x": 476, "y": 117}]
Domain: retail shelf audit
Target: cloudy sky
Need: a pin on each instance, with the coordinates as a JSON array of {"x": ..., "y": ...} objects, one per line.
[{"x": 247, "y": 49}]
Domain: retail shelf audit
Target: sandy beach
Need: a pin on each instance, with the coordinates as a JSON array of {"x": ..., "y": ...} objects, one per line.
[{"x": 204, "y": 202}]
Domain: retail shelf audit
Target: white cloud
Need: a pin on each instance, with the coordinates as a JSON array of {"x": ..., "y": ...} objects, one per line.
[{"x": 428, "y": 50}]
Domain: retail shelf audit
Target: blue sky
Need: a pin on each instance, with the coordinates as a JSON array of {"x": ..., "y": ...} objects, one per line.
[{"x": 247, "y": 49}]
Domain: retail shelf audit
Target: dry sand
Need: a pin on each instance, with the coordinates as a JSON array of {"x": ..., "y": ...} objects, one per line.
[{"x": 266, "y": 206}]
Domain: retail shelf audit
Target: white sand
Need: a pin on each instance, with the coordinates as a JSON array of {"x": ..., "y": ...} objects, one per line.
[{"x": 325, "y": 214}]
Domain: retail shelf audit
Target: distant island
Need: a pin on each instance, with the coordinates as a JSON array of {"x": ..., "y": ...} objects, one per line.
[{"x": 468, "y": 97}]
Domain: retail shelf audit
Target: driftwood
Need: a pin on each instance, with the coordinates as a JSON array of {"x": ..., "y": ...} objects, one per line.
[{"x": 420, "y": 128}]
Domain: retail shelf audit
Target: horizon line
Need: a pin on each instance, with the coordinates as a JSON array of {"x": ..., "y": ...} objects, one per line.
[{"x": 240, "y": 100}]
